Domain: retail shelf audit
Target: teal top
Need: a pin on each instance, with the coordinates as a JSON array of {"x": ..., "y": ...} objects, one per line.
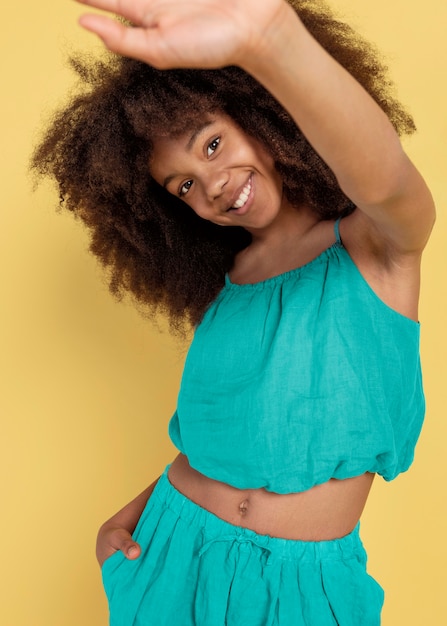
[{"x": 300, "y": 378}]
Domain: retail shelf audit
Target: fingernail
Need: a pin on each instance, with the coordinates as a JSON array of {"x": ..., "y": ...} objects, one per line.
[{"x": 131, "y": 551}]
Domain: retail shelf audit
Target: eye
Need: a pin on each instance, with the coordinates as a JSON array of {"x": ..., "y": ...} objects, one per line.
[
  {"x": 212, "y": 147},
  {"x": 185, "y": 188}
]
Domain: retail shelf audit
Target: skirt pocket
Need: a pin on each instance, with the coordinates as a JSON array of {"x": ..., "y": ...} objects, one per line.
[
  {"x": 109, "y": 571},
  {"x": 114, "y": 566},
  {"x": 355, "y": 598}
]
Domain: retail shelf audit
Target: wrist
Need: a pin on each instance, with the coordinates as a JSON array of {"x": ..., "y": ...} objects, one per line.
[{"x": 268, "y": 47}]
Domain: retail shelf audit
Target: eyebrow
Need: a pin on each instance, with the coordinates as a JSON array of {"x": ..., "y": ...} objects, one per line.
[
  {"x": 196, "y": 133},
  {"x": 190, "y": 145}
]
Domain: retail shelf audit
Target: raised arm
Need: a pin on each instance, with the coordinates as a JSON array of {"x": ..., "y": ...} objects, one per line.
[
  {"x": 350, "y": 132},
  {"x": 267, "y": 39}
]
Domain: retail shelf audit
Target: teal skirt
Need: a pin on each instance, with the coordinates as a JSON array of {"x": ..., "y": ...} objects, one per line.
[{"x": 198, "y": 570}]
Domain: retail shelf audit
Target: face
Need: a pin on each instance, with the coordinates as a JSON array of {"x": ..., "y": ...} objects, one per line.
[{"x": 224, "y": 175}]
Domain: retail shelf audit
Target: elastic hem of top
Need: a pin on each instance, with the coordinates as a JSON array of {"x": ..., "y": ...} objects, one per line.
[
  {"x": 284, "y": 275},
  {"x": 213, "y": 527}
]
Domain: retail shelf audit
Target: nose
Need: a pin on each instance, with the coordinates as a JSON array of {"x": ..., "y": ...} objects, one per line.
[{"x": 215, "y": 184}]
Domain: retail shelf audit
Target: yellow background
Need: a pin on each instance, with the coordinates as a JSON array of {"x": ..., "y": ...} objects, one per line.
[{"x": 87, "y": 385}]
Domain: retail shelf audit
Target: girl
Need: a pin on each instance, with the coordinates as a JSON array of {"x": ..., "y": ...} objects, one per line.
[{"x": 241, "y": 169}]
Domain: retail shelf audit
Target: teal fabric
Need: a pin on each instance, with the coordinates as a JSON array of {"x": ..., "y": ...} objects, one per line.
[
  {"x": 198, "y": 570},
  {"x": 301, "y": 378}
]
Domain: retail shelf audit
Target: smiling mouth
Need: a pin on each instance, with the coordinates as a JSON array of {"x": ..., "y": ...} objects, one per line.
[{"x": 243, "y": 196}]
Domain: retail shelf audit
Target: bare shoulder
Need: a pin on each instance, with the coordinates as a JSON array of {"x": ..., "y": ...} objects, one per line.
[{"x": 394, "y": 276}]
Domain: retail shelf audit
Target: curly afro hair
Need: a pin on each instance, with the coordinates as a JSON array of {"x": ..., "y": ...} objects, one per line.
[{"x": 97, "y": 148}]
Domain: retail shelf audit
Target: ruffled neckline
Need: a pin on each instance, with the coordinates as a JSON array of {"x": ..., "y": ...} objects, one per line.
[{"x": 279, "y": 278}]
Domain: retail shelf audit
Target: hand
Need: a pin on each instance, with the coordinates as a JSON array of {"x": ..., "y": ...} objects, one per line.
[
  {"x": 187, "y": 33},
  {"x": 115, "y": 534},
  {"x": 112, "y": 539}
]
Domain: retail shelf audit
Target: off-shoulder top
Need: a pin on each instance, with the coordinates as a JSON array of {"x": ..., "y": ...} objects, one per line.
[{"x": 300, "y": 378}]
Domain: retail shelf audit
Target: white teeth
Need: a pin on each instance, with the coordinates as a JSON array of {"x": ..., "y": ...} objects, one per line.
[
  {"x": 241, "y": 201},
  {"x": 243, "y": 197}
]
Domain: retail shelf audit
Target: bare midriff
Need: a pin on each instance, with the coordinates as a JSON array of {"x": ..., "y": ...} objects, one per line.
[{"x": 325, "y": 512}]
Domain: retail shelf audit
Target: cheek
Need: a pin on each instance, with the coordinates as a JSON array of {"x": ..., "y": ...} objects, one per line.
[
  {"x": 277, "y": 181},
  {"x": 267, "y": 165},
  {"x": 207, "y": 214},
  {"x": 196, "y": 207}
]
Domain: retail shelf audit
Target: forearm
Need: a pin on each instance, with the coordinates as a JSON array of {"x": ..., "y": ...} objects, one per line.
[
  {"x": 129, "y": 515},
  {"x": 338, "y": 117}
]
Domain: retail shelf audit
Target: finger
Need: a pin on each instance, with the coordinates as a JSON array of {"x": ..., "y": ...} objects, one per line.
[
  {"x": 131, "y": 550},
  {"x": 134, "y": 42},
  {"x": 105, "y": 27},
  {"x": 122, "y": 540},
  {"x": 133, "y": 10}
]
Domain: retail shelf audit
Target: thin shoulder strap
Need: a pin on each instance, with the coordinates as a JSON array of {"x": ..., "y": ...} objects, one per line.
[{"x": 337, "y": 231}]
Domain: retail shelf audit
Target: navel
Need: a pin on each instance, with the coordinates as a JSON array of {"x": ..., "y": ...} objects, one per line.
[{"x": 243, "y": 507}]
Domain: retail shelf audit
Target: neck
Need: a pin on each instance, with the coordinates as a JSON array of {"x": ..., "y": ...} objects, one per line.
[{"x": 291, "y": 223}]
